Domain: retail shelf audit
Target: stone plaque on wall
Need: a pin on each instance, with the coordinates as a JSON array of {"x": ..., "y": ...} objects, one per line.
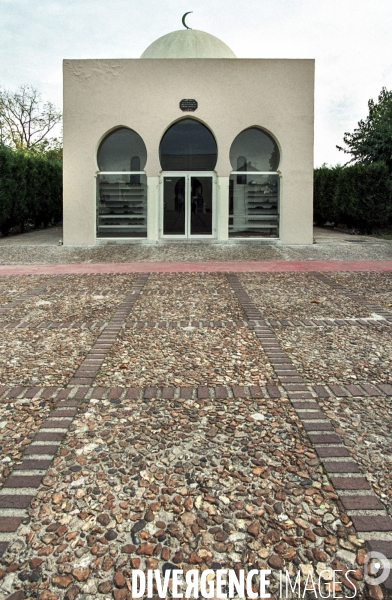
[{"x": 188, "y": 105}]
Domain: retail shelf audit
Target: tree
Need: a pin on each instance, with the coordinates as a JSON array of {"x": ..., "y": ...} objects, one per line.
[
  {"x": 371, "y": 141},
  {"x": 25, "y": 121}
]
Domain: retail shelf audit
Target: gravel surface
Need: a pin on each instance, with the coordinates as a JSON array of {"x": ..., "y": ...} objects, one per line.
[
  {"x": 339, "y": 250},
  {"x": 365, "y": 425},
  {"x": 19, "y": 420},
  {"x": 182, "y": 483},
  {"x": 42, "y": 357},
  {"x": 137, "y": 253},
  {"x": 193, "y": 296},
  {"x": 249, "y": 251},
  {"x": 297, "y": 296},
  {"x": 340, "y": 355},
  {"x": 186, "y": 356}
]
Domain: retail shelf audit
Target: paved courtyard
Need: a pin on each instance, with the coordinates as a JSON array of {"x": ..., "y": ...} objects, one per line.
[{"x": 234, "y": 412}]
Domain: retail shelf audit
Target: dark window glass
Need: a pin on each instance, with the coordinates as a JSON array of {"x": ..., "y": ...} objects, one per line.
[
  {"x": 121, "y": 206},
  {"x": 260, "y": 150},
  {"x": 122, "y": 150},
  {"x": 254, "y": 206},
  {"x": 188, "y": 146}
]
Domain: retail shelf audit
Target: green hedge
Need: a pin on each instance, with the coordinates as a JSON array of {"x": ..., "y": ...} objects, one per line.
[
  {"x": 31, "y": 190},
  {"x": 358, "y": 196}
]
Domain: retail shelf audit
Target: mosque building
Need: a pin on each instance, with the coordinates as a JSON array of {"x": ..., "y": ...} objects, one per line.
[{"x": 188, "y": 143}]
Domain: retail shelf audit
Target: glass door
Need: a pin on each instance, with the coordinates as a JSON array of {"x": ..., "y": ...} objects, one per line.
[
  {"x": 174, "y": 208},
  {"x": 188, "y": 205},
  {"x": 201, "y": 208}
]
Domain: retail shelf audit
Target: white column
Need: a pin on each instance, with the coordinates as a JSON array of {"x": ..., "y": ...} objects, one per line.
[
  {"x": 153, "y": 209},
  {"x": 296, "y": 209},
  {"x": 222, "y": 208},
  {"x": 79, "y": 207}
]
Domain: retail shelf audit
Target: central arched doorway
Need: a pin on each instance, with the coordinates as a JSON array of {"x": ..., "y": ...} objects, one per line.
[{"x": 188, "y": 155}]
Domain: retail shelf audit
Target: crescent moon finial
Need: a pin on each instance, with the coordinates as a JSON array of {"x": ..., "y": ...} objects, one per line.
[{"x": 183, "y": 19}]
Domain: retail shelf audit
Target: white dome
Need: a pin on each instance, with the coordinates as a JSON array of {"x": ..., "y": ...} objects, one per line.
[{"x": 188, "y": 43}]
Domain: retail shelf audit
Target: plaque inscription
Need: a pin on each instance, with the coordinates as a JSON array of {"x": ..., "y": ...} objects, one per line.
[{"x": 188, "y": 105}]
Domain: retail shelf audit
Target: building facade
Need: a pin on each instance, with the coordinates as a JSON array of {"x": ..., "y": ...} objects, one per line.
[{"x": 188, "y": 143}]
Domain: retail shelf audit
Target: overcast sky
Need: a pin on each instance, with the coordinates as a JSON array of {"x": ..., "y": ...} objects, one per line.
[{"x": 351, "y": 41}]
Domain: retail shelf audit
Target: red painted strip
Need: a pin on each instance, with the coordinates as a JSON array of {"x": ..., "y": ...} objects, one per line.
[{"x": 271, "y": 266}]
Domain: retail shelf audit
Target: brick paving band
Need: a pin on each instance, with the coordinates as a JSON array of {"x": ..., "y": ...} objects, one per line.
[
  {"x": 212, "y": 392},
  {"x": 23, "y": 483},
  {"x": 354, "y": 491},
  {"x": 22, "y": 324},
  {"x": 369, "y": 322}
]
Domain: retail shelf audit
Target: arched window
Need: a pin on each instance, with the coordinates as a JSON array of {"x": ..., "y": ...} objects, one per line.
[
  {"x": 119, "y": 149},
  {"x": 254, "y": 185},
  {"x": 188, "y": 146},
  {"x": 122, "y": 185},
  {"x": 256, "y": 150}
]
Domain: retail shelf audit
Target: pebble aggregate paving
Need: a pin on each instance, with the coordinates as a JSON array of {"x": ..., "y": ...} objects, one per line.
[
  {"x": 193, "y": 296},
  {"x": 11, "y": 287},
  {"x": 186, "y": 356},
  {"x": 302, "y": 297},
  {"x": 374, "y": 287},
  {"x": 42, "y": 357},
  {"x": 347, "y": 354},
  {"x": 185, "y": 449},
  {"x": 91, "y": 297},
  {"x": 140, "y": 485}
]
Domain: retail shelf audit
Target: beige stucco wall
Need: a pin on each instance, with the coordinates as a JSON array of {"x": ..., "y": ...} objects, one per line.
[{"x": 232, "y": 94}]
